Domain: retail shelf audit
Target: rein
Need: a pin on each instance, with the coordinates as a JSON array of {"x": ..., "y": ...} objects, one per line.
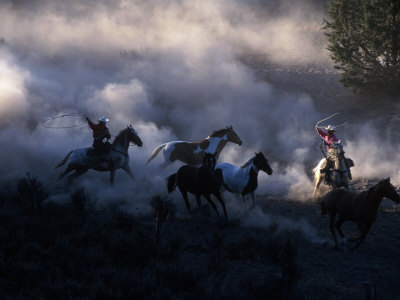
[{"x": 320, "y": 146}]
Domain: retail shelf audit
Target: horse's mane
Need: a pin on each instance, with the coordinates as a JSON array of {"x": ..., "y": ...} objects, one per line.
[
  {"x": 218, "y": 132},
  {"x": 372, "y": 188},
  {"x": 248, "y": 162},
  {"x": 119, "y": 136}
]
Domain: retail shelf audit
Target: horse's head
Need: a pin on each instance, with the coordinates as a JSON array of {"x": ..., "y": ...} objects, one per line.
[
  {"x": 209, "y": 160},
  {"x": 232, "y": 136},
  {"x": 134, "y": 137},
  {"x": 336, "y": 150},
  {"x": 388, "y": 190},
  {"x": 261, "y": 162}
]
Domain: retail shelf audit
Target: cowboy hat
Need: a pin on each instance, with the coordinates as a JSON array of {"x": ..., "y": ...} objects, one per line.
[
  {"x": 330, "y": 128},
  {"x": 103, "y": 119}
]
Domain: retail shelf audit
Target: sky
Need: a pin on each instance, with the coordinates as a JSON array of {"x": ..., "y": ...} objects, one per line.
[{"x": 173, "y": 70}]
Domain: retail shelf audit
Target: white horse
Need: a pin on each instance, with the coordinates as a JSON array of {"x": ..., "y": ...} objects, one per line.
[
  {"x": 244, "y": 180},
  {"x": 117, "y": 158},
  {"x": 338, "y": 175},
  {"x": 192, "y": 153}
]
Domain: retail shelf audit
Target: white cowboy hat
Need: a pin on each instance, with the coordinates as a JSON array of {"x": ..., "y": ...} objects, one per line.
[
  {"x": 330, "y": 128},
  {"x": 103, "y": 119}
]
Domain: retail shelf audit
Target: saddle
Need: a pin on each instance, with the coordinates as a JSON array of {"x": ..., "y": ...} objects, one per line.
[{"x": 99, "y": 149}]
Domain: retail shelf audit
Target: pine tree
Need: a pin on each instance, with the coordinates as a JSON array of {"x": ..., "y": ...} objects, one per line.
[{"x": 364, "y": 41}]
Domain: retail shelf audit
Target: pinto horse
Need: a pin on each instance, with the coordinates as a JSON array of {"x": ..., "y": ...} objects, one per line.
[
  {"x": 81, "y": 162},
  {"x": 244, "y": 180},
  {"x": 192, "y": 153},
  {"x": 200, "y": 181},
  {"x": 361, "y": 208}
]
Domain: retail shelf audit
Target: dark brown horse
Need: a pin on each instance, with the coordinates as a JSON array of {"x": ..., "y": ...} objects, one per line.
[
  {"x": 200, "y": 181},
  {"x": 361, "y": 208}
]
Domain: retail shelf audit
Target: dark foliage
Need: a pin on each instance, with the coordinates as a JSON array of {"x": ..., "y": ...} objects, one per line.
[
  {"x": 73, "y": 250},
  {"x": 364, "y": 41},
  {"x": 31, "y": 189}
]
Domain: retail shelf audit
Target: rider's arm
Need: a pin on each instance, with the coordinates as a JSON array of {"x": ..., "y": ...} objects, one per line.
[{"x": 91, "y": 124}]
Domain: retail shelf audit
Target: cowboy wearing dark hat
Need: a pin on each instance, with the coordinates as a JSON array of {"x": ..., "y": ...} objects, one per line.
[{"x": 101, "y": 135}]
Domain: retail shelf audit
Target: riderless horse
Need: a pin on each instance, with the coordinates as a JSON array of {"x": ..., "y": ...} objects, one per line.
[
  {"x": 338, "y": 176},
  {"x": 361, "y": 208},
  {"x": 200, "y": 181},
  {"x": 192, "y": 153},
  {"x": 244, "y": 180},
  {"x": 117, "y": 158}
]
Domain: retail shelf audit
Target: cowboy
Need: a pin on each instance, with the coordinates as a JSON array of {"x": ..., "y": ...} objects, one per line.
[
  {"x": 329, "y": 139},
  {"x": 100, "y": 132}
]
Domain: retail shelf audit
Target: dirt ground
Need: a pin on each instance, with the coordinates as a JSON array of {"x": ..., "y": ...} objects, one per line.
[
  {"x": 332, "y": 273},
  {"x": 325, "y": 272}
]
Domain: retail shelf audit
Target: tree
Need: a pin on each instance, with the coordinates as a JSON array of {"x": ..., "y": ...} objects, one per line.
[{"x": 364, "y": 41}]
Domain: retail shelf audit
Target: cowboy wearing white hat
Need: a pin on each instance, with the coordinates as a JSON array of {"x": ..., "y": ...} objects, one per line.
[
  {"x": 330, "y": 138},
  {"x": 100, "y": 132}
]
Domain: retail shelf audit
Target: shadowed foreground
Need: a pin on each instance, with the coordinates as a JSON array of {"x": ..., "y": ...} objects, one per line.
[{"x": 73, "y": 250}]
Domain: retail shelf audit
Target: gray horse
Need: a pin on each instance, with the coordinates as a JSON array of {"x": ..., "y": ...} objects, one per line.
[{"x": 117, "y": 158}]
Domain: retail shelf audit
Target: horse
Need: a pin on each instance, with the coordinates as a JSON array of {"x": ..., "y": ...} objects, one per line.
[
  {"x": 361, "y": 208},
  {"x": 338, "y": 176},
  {"x": 81, "y": 162},
  {"x": 244, "y": 180},
  {"x": 200, "y": 181},
  {"x": 192, "y": 153}
]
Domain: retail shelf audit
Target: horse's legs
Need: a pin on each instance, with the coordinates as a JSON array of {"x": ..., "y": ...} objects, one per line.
[
  {"x": 332, "y": 216},
  {"x": 338, "y": 224},
  {"x": 367, "y": 227},
  {"x": 253, "y": 197},
  {"x": 127, "y": 169},
  {"x": 112, "y": 176},
  {"x": 78, "y": 172},
  {"x": 198, "y": 199},
  {"x": 361, "y": 227},
  {"x": 185, "y": 197},
  {"x": 67, "y": 170},
  {"x": 207, "y": 196},
  {"x": 243, "y": 198},
  {"x": 219, "y": 197}
]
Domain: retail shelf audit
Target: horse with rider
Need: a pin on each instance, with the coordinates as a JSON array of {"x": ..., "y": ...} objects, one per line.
[{"x": 335, "y": 167}]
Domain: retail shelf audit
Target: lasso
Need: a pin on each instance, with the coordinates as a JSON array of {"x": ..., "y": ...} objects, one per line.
[{"x": 43, "y": 123}]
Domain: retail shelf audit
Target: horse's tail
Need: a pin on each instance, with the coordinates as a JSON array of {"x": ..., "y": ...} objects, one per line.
[
  {"x": 155, "y": 152},
  {"x": 171, "y": 183},
  {"x": 64, "y": 160}
]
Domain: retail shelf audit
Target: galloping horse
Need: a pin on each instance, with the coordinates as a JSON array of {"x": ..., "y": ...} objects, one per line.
[
  {"x": 200, "y": 181},
  {"x": 339, "y": 175},
  {"x": 116, "y": 159},
  {"x": 244, "y": 180},
  {"x": 192, "y": 153},
  {"x": 361, "y": 208}
]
